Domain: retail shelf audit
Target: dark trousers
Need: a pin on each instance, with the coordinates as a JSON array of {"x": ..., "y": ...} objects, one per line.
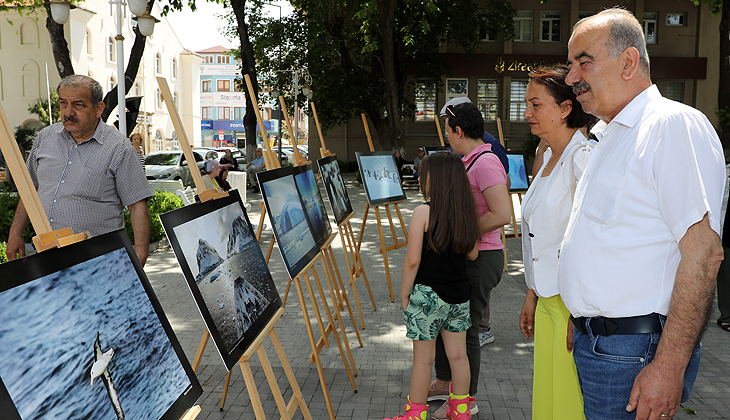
[
  {"x": 723, "y": 287},
  {"x": 484, "y": 274}
]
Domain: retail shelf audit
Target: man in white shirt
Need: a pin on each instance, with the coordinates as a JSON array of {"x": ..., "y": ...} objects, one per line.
[{"x": 642, "y": 249}]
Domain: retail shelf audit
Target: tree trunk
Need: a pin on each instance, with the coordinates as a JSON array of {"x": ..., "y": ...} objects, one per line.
[
  {"x": 135, "y": 58},
  {"x": 59, "y": 46},
  {"x": 392, "y": 97},
  {"x": 382, "y": 128},
  {"x": 723, "y": 94},
  {"x": 248, "y": 66}
]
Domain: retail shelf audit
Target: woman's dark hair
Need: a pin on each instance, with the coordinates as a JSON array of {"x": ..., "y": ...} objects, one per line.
[
  {"x": 452, "y": 220},
  {"x": 553, "y": 78},
  {"x": 467, "y": 116}
]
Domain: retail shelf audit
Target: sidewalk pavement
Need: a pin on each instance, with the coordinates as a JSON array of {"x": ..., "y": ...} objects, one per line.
[{"x": 384, "y": 362}]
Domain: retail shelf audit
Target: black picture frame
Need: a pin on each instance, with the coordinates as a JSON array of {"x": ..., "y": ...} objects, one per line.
[
  {"x": 313, "y": 203},
  {"x": 62, "y": 308},
  {"x": 334, "y": 185},
  {"x": 294, "y": 235},
  {"x": 234, "y": 292},
  {"x": 380, "y": 176},
  {"x": 437, "y": 149}
]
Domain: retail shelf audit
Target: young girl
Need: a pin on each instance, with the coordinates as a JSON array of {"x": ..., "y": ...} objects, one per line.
[{"x": 434, "y": 286}]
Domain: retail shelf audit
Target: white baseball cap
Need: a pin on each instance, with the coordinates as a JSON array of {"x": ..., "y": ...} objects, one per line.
[{"x": 454, "y": 102}]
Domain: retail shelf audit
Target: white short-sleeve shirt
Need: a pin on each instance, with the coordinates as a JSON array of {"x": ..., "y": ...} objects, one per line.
[{"x": 657, "y": 170}]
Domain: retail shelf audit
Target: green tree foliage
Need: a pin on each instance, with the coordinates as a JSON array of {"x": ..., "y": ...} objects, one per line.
[
  {"x": 39, "y": 107},
  {"x": 25, "y": 138},
  {"x": 361, "y": 53}
]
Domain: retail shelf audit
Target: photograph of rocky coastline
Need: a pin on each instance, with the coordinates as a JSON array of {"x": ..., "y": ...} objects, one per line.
[{"x": 226, "y": 273}]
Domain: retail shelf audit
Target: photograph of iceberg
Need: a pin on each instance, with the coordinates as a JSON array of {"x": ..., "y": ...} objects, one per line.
[
  {"x": 313, "y": 204},
  {"x": 291, "y": 228},
  {"x": 225, "y": 270},
  {"x": 83, "y": 337},
  {"x": 334, "y": 185},
  {"x": 380, "y": 177}
]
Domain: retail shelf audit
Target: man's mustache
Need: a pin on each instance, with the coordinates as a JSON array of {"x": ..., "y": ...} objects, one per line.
[
  {"x": 71, "y": 118},
  {"x": 582, "y": 85}
]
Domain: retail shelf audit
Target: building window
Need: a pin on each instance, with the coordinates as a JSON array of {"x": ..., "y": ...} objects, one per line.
[
  {"x": 158, "y": 63},
  {"x": 175, "y": 141},
  {"x": 174, "y": 68},
  {"x": 486, "y": 36},
  {"x": 88, "y": 41},
  {"x": 517, "y": 105},
  {"x": 206, "y": 86},
  {"x": 425, "y": 100},
  {"x": 523, "y": 26},
  {"x": 112, "y": 82},
  {"x": 174, "y": 100},
  {"x": 238, "y": 113},
  {"x": 674, "y": 91},
  {"x": 158, "y": 100},
  {"x": 488, "y": 98},
  {"x": 159, "y": 137},
  {"x": 224, "y": 59},
  {"x": 28, "y": 32},
  {"x": 137, "y": 89},
  {"x": 550, "y": 23},
  {"x": 30, "y": 80},
  {"x": 675, "y": 19},
  {"x": 207, "y": 113},
  {"x": 223, "y": 85},
  {"x": 208, "y": 59},
  {"x": 224, "y": 113},
  {"x": 111, "y": 48},
  {"x": 456, "y": 88},
  {"x": 650, "y": 27}
]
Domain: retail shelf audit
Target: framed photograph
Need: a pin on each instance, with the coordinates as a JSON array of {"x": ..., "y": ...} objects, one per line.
[
  {"x": 517, "y": 173},
  {"x": 290, "y": 224},
  {"x": 313, "y": 204},
  {"x": 334, "y": 185},
  {"x": 436, "y": 149},
  {"x": 83, "y": 336},
  {"x": 381, "y": 178},
  {"x": 225, "y": 271}
]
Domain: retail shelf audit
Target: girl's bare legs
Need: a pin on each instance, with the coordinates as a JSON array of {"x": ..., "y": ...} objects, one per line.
[
  {"x": 455, "y": 347},
  {"x": 424, "y": 353}
]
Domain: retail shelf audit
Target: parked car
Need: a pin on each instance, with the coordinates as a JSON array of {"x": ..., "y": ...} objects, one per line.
[
  {"x": 289, "y": 150},
  {"x": 238, "y": 154},
  {"x": 171, "y": 165}
]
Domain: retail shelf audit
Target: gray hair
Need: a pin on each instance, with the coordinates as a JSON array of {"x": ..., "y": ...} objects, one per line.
[
  {"x": 624, "y": 31},
  {"x": 78, "y": 81}
]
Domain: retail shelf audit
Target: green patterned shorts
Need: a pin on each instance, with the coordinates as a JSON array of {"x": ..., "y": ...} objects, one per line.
[{"x": 427, "y": 314}]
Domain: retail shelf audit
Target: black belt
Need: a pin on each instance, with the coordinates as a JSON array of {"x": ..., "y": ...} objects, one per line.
[{"x": 609, "y": 326}]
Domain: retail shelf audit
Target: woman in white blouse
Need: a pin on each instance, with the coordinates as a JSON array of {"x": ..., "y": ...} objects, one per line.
[{"x": 555, "y": 116}]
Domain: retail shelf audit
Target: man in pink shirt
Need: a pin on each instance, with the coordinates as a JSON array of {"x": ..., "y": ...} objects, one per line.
[{"x": 465, "y": 127}]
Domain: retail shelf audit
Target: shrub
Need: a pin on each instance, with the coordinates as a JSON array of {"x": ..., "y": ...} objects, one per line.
[
  {"x": 3, "y": 257},
  {"x": 8, "y": 204},
  {"x": 160, "y": 203}
]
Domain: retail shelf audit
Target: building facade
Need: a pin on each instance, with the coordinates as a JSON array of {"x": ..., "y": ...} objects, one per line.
[
  {"x": 683, "y": 43},
  {"x": 25, "y": 51}
]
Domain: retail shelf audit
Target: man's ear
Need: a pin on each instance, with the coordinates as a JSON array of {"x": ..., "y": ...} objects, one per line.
[
  {"x": 459, "y": 132},
  {"x": 99, "y": 108},
  {"x": 630, "y": 63}
]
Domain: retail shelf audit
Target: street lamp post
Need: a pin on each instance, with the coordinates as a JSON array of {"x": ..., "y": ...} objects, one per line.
[{"x": 276, "y": 96}]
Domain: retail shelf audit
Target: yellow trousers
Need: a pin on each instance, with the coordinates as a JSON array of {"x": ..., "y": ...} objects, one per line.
[{"x": 555, "y": 390}]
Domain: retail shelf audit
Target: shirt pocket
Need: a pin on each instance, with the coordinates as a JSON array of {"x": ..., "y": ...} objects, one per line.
[
  {"x": 90, "y": 184},
  {"x": 601, "y": 204}
]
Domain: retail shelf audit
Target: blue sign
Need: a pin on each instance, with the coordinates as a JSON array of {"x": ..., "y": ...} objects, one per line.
[
  {"x": 236, "y": 125},
  {"x": 206, "y": 125}
]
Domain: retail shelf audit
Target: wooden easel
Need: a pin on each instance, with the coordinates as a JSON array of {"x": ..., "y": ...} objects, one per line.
[
  {"x": 185, "y": 144},
  {"x": 297, "y": 399},
  {"x": 438, "y": 129},
  {"x": 46, "y": 238},
  {"x": 396, "y": 244},
  {"x": 322, "y": 342},
  {"x": 355, "y": 267}
]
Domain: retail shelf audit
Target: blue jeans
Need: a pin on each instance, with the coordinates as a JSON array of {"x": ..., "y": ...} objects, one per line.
[{"x": 608, "y": 365}]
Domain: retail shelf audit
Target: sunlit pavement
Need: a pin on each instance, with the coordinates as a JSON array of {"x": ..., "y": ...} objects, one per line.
[{"x": 384, "y": 362}]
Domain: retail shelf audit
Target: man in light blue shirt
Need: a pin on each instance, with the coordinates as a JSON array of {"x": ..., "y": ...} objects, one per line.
[{"x": 255, "y": 166}]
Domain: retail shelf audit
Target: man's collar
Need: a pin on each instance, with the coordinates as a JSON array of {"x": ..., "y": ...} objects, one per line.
[
  {"x": 97, "y": 135},
  {"x": 631, "y": 114}
]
